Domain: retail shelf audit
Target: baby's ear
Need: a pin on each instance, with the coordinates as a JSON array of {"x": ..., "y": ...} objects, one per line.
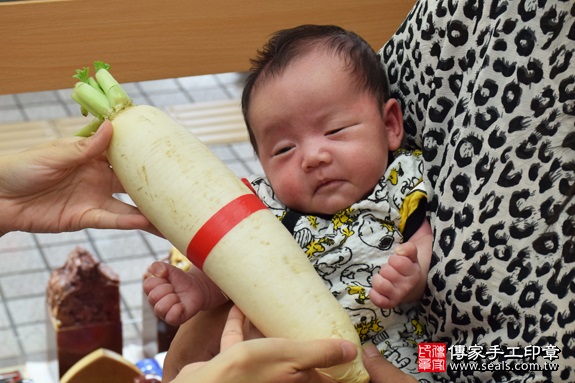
[{"x": 393, "y": 120}]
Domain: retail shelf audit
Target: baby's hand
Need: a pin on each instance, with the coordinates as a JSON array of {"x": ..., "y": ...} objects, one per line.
[
  {"x": 174, "y": 294},
  {"x": 397, "y": 278}
]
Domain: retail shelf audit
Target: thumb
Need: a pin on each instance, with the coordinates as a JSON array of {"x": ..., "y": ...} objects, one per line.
[
  {"x": 76, "y": 150},
  {"x": 334, "y": 352},
  {"x": 380, "y": 369},
  {"x": 408, "y": 250},
  {"x": 98, "y": 142},
  {"x": 159, "y": 269}
]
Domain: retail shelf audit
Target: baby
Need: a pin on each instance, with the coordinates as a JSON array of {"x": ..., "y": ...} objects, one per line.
[{"x": 322, "y": 124}]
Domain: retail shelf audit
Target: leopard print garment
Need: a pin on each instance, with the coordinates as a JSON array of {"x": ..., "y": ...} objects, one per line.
[{"x": 488, "y": 92}]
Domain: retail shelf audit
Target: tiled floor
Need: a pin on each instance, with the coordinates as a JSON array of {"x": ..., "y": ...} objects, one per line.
[{"x": 26, "y": 260}]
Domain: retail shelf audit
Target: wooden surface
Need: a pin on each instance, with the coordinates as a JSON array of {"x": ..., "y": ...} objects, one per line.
[
  {"x": 44, "y": 42},
  {"x": 102, "y": 366}
]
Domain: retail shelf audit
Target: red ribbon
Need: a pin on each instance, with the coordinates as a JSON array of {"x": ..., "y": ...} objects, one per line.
[{"x": 219, "y": 225}]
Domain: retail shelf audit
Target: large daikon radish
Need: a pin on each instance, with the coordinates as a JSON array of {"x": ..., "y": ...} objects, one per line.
[{"x": 207, "y": 213}]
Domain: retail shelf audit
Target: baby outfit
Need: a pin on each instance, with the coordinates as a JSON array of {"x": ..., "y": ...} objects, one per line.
[{"x": 349, "y": 247}]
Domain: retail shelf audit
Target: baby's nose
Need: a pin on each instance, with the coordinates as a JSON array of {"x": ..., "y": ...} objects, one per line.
[{"x": 315, "y": 156}]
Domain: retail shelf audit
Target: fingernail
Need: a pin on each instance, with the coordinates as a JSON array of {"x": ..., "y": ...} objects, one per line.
[
  {"x": 370, "y": 350},
  {"x": 97, "y": 131}
]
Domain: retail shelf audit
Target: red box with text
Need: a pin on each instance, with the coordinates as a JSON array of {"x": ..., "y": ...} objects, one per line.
[{"x": 431, "y": 357}]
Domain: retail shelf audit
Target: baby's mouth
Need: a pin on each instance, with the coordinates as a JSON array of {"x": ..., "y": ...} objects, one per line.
[{"x": 327, "y": 184}]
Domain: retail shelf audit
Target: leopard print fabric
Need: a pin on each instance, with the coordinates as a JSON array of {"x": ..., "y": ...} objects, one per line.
[{"x": 488, "y": 92}]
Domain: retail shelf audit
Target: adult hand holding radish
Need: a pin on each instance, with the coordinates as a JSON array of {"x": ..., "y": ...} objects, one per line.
[
  {"x": 64, "y": 185},
  {"x": 279, "y": 360},
  {"x": 267, "y": 360},
  {"x": 201, "y": 207}
]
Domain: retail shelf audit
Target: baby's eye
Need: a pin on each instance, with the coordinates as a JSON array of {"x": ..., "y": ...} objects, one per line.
[
  {"x": 334, "y": 131},
  {"x": 282, "y": 150}
]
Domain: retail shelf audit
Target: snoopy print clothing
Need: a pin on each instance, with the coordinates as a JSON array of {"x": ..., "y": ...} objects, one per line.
[{"x": 348, "y": 248}]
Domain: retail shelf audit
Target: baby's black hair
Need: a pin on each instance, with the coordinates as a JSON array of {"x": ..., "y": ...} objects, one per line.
[{"x": 289, "y": 44}]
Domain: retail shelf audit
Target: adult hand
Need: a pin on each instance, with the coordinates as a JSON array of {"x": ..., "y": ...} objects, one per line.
[
  {"x": 64, "y": 185},
  {"x": 267, "y": 359},
  {"x": 380, "y": 369}
]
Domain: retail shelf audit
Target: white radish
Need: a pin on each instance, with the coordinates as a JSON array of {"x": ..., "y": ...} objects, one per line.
[{"x": 207, "y": 213}]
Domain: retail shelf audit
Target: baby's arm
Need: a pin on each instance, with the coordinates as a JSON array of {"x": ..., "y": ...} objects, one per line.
[
  {"x": 404, "y": 277},
  {"x": 176, "y": 295}
]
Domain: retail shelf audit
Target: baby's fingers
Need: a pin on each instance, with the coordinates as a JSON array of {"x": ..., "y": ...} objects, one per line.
[
  {"x": 407, "y": 250},
  {"x": 159, "y": 269},
  {"x": 151, "y": 282},
  {"x": 381, "y": 292},
  {"x": 399, "y": 266}
]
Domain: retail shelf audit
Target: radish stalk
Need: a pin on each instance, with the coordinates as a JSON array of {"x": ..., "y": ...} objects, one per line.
[
  {"x": 102, "y": 97},
  {"x": 92, "y": 99},
  {"x": 114, "y": 92},
  {"x": 89, "y": 129},
  {"x": 207, "y": 213}
]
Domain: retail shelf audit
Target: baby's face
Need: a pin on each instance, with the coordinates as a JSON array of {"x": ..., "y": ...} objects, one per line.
[{"x": 321, "y": 140}]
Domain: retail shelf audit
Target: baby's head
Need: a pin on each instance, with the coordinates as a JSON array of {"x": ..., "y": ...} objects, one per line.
[
  {"x": 319, "y": 117},
  {"x": 289, "y": 45}
]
